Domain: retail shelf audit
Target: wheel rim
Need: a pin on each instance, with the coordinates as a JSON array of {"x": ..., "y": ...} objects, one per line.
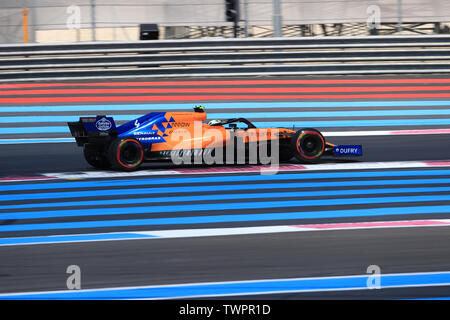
[
  {"x": 129, "y": 153},
  {"x": 310, "y": 144}
]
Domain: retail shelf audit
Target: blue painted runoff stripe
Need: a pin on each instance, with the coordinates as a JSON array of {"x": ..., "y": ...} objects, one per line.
[
  {"x": 75, "y": 238},
  {"x": 231, "y": 218},
  {"x": 215, "y": 197},
  {"x": 304, "y": 185},
  {"x": 216, "y": 206},
  {"x": 269, "y": 286},
  {"x": 434, "y": 298},
  {"x": 148, "y": 107},
  {"x": 216, "y": 179},
  {"x": 47, "y": 129},
  {"x": 287, "y": 124},
  {"x": 32, "y": 140},
  {"x": 250, "y": 115},
  {"x": 355, "y": 123}
]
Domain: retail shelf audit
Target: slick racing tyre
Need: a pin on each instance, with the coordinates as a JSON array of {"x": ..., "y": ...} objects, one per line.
[
  {"x": 308, "y": 145},
  {"x": 126, "y": 154},
  {"x": 95, "y": 157}
]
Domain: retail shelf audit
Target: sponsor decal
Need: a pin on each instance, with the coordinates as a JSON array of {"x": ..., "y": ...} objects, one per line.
[
  {"x": 103, "y": 124},
  {"x": 138, "y": 133},
  {"x": 185, "y": 152},
  {"x": 156, "y": 138},
  {"x": 181, "y": 124},
  {"x": 148, "y": 137},
  {"x": 350, "y": 150}
]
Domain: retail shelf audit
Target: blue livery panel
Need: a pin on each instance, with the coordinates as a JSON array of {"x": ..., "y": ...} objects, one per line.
[
  {"x": 148, "y": 129},
  {"x": 99, "y": 124}
]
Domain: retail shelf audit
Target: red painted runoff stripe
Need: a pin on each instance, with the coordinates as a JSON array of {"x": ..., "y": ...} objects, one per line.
[
  {"x": 437, "y": 163},
  {"x": 225, "y": 82},
  {"x": 228, "y": 90},
  {"x": 201, "y": 98}
]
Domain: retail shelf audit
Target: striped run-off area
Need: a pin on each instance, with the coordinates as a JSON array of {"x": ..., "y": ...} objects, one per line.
[
  {"x": 121, "y": 208},
  {"x": 41, "y": 110},
  {"x": 182, "y": 205},
  {"x": 204, "y": 231}
]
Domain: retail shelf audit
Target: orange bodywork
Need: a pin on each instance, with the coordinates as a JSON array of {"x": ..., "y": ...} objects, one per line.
[{"x": 189, "y": 132}]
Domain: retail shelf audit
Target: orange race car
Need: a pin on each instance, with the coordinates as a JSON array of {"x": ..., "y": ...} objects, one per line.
[{"x": 186, "y": 137}]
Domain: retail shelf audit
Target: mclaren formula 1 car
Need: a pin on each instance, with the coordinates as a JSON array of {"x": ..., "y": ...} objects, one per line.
[{"x": 187, "y": 135}]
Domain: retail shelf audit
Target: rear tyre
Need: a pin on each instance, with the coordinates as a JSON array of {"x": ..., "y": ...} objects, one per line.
[
  {"x": 126, "y": 154},
  {"x": 96, "y": 157},
  {"x": 308, "y": 145}
]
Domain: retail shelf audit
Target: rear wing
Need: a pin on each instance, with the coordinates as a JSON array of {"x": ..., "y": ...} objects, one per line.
[{"x": 92, "y": 129}]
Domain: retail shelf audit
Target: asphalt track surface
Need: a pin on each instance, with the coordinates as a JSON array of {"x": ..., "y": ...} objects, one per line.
[
  {"x": 144, "y": 262},
  {"x": 30, "y": 159}
]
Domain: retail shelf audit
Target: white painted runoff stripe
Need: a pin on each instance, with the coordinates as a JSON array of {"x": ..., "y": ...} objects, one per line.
[
  {"x": 108, "y": 174},
  {"x": 214, "y": 232},
  {"x": 384, "y": 132},
  {"x": 252, "y": 169},
  {"x": 371, "y": 165},
  {"x": 192, "y": 233},
  {"x": 89, "y": 175},
  {"x": 268, "y": 170}
]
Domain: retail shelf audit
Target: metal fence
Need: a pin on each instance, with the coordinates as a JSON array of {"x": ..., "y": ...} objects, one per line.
[
  {"x": 226, "y": 57},
  {"x": 75, "y": 20}
]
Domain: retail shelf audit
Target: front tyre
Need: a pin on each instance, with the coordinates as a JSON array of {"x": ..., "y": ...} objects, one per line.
[
  {"x": 308, "y": 145},
  {"x": 126, "y": 154},
  {"x": 96, "y": 157}
]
